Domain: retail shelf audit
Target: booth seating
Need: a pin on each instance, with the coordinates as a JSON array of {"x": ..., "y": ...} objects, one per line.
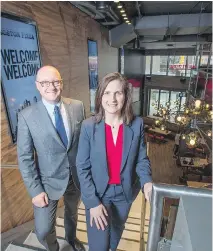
[{"x": 156, "y": 138}]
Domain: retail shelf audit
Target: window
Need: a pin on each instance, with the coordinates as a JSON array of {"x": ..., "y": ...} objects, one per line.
[
  {"x": 182, "y": 66},
  {"x": 204, "y": 60},
  {"x": 154, "y": 96},
  {"x": 164, "y": 96},
  {"x": 177, "y": 65},
  {"x": 191, "y": 64},
  {"x": 159, "y": 65},
  {"x": 148, "y": 65}
]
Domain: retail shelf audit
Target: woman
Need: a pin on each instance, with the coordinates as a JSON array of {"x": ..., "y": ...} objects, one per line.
[{"x": 112, "y": 163}]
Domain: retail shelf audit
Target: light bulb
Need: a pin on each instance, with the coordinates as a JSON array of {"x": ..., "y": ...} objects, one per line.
[
  {"x": 187, "y": 111},
  {"x": 157, "y": 122},
  {"x": 179, "y": 118},
  {"x": 183, "y": 136},
  {"x": 192, "y": 142},
  {"x": 162, "y": 127},
  {"x": 197, "y": 103}
]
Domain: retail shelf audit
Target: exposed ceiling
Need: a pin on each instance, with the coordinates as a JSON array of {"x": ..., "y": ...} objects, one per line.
[{"x": 158, "y": 25}]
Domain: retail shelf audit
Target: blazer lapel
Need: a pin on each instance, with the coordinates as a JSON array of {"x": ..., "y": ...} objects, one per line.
[
  {"x": 100, "y": 138},
  {"x": 71, "y": 119},
  {"x": 47, "y": 122},
  {"x": 127, "y": 141}
]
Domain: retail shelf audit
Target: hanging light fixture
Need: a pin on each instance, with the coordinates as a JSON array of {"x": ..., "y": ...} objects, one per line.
[
  {"x": 157, "y": 122},
  {"x": 192, "y": 140},
  {"x": 163, "y": 127},
  {"x": 209, "y": 133}
]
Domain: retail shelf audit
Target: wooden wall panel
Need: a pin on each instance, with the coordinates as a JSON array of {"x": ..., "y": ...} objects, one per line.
[
  {"x": 63, "y": 32},
  {"x": 16, "y": 205}
]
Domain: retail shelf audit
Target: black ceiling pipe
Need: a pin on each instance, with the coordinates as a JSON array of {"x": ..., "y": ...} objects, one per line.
[
  {"x": 102, "y": 5},
  {"x": 136, "y": 44}
]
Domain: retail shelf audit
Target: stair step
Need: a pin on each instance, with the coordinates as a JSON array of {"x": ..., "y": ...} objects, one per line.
[
  {"x": 133, "y": 215},
  {"x": 82, "y": 224},
  {"x": 124, "y": 244},
  {"x": 133, "y": 219},
  {"x": 33, "y": 241},
  {"x": 13, "y": 247},
  {"x": 82, "y": 217},
  {"x": 131, "y": 235}
]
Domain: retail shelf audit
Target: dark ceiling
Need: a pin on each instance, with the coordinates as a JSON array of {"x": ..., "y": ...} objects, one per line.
[{"x": 182, "y": 24}]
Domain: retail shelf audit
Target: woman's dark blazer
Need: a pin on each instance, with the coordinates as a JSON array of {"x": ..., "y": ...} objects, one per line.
[{"x": 92, "y": 167}]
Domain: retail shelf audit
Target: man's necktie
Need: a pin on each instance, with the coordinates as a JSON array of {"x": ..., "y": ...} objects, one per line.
[{"x": 59, "y": 125}]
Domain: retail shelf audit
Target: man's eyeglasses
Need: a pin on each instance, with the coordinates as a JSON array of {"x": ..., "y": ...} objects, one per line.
[{"x": 55, "y": 83}]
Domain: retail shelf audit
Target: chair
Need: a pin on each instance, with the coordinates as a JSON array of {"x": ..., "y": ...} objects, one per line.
[{"x": 151, "y": 137}]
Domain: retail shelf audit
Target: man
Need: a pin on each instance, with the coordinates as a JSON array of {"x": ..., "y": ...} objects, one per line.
[{"x": 48, "y": 134}]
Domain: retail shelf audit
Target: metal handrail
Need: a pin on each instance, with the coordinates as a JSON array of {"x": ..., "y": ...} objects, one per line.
[{"x": 159, "y": 192}]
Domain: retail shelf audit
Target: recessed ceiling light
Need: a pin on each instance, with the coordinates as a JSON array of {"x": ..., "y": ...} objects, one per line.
[
  {"x": 122, "y": 11},
  {"x": 125, "y": 18},
  {"x": 119, "y": 6},
  {"x": 116, "y": 1},
  {"x": 124, "y": 14}
]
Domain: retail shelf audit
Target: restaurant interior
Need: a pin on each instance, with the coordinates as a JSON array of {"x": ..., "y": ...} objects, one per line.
[{"x": 164, "y": 49}]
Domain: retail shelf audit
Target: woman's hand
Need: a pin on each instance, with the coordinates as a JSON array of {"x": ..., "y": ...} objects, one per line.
[
  {"x": 148, "y": 191},
  {"x": 98, "y": 214}
]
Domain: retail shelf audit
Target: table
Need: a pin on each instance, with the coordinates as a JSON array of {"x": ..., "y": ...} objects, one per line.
[
  {"x": 193, "y": 162},
  {"x": 153, "y": 117},
  {"x": 198, "y": 184},
  {"x": 157, "y": 130}
]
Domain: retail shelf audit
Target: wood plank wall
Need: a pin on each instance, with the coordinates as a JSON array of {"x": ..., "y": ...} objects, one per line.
[{"x": 63, "y": 33}]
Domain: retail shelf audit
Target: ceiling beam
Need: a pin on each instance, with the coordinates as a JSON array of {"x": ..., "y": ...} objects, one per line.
[{"x": 181, "y": 20}]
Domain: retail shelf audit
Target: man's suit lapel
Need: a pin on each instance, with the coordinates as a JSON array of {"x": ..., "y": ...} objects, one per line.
[
  {"x": 47, "y": 124},
  {"x": 71, "y": 120}
]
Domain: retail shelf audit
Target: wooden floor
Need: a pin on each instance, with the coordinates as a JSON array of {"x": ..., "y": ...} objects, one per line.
[{"x": 164, "y": 169}]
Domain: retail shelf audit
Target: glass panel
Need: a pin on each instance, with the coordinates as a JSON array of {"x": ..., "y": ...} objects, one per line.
[
  {"x": 183, "y": 101},
  {"x": 204, "y": 60},
  {"x": 148, "y": 65},
  {"x": 177, "y": 65},
  {"x": 191, "y": 65},
  {"x": 154, "y": 96},
  {"x": 159, "y": 65},
  {"x": 174, "y": 96},
  {"x": 164, "y": 97}
]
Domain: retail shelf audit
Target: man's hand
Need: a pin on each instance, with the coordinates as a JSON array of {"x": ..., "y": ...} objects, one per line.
[
  {"x": 41, "y": 200},
  {"x": 148, "y": 191},
  {"x": 98, "y": 215}
]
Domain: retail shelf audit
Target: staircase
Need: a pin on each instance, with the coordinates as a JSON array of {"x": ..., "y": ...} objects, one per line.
[{"x": 134, "y": 237}]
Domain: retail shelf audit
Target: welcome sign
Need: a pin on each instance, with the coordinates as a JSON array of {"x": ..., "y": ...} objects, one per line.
[{"x": 20, "y": 61}]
